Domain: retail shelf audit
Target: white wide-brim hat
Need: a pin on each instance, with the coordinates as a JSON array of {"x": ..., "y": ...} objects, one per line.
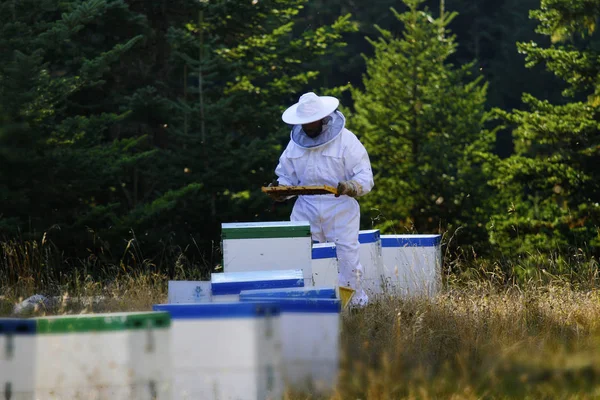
[{"x": 310, "y": 108}]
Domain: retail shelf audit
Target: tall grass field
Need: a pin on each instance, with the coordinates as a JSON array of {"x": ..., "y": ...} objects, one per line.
[{"x": 485, "y": 337}]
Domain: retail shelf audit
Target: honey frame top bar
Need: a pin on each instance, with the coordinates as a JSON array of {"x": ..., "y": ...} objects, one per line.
[{"x": 299, "y": 190}]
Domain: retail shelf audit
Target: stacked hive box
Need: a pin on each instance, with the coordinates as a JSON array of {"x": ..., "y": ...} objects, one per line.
[
  {"x": 310, "y": 327},
  {"x": 225, "y": 351},
  {"x": 325, "y": 268},
  {"x": 370, "y": 255},
  {"x": 259, "y": 246},
  {"x": 310, "y": 292},
  {"x": 17, "y": 359},
  {"x": 226, "y": 286},
  {"x": 100, "y": 356},
  {"x": 412, "y": 264}
]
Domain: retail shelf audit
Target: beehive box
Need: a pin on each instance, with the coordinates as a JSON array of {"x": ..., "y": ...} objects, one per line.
[
  {"x": 325, "y": 268},
  {"x": 226, "y": 286},
  {"x": 310, "y": 292},
  {"x": 103, "y": 356},
  {"x": 259, "y": 246},
  {"x": 17, "y": 358},
  {"x": 412, "y": 264},
  {"x": 225, "y": 351},
  {"x": 370, "y": 255},
  {"x": 189, "y": 292},
  {"x": 310, "y": 329}
]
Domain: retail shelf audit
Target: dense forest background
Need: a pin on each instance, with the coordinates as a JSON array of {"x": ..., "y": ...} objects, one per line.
[{"x": 131, "y": 129}]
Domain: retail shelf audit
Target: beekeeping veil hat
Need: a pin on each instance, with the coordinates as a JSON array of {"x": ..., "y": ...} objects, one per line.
[{"x": 310, "y": 108}]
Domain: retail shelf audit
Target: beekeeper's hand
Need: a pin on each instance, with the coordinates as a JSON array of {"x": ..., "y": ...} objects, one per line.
[
  {"x": 278, "y": 198},
  {"x": 349, "y": 188}
]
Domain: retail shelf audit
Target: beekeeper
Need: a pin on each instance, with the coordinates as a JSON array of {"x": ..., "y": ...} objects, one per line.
[{"x": 323, "y": 152}]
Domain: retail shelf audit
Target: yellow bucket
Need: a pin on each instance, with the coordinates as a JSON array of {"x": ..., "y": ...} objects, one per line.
[{"x": 345, "y": 294}]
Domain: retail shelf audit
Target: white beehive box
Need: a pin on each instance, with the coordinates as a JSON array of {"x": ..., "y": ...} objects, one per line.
[
  {"x": 225, "y": 351},
  {"x": 370, "y": 254},
  {"x": 103, "y": 356},
  {"x": 258, "y": 246},
  {"x": 325, "y": 268},
  {"x": 310, "y": 332},
  {"x": 226, "y": 286},
  {"x": 17, "y": 358},
  {"x": 189, "y": 292},
  {"x": 412, "y": 264}
]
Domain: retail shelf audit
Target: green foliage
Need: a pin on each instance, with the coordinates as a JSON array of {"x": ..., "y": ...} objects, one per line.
[
  {"x": 421, "y": 119},
  {"x": 562, "y": 18},
  {"x": 134, "y": 120},
  {"x": 56, "y": 162},
  {"x": 226, "y": 120},
  {"x": 550, "y": 187},
  {"x": 128, "y": 125}
]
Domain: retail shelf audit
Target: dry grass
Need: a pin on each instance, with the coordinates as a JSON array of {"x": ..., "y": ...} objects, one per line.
[
  {"x": 470, "y": 342},
  {"x": 475, "y": 342},
  {"x": 481, "y": 338},
  {"x": 135, "y": 292}
]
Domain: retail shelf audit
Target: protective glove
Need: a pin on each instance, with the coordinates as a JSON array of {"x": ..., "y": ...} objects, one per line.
[
  {"x": 349, "y": 188},
  {"x": 276, "y": 197}
]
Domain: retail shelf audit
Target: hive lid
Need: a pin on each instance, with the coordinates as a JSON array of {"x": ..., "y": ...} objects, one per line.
[
  {"x": 308, "y": 293},
  {"x": 234, "y": 282},
  {"x": 17, "y": 326},
  {"x": 421, "y": 240},
  {"x": 323, "y": 250},
  {"x": 368, "y": 236},
  {"x": 265, "y": 230},
  {"x": 301, "y": 305},
  {"x": 219, "y": 310},
  {"x": 102, "y": 322}
]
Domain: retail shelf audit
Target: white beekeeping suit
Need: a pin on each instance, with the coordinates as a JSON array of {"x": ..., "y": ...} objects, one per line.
[{"x": 336, "y": 158}]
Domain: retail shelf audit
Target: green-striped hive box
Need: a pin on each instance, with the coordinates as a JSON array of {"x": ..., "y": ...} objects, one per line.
[
  {"x": 267, "y": 246},
  {"x": 101, "y": 356}
]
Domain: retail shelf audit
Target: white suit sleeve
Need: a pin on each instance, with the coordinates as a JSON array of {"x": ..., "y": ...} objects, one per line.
[
  {"x": 358, "y": 166},
  {"x": 286, "y": 174}
]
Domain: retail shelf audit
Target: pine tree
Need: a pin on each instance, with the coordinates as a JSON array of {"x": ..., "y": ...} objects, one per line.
[
  {"x": 238, "y": 66},
  {"x": 421, "y": 119},
  {"x": 147, "y": 119},
  {"x": 57, "y": 166},
  {"x": 551, "y": 186}
]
